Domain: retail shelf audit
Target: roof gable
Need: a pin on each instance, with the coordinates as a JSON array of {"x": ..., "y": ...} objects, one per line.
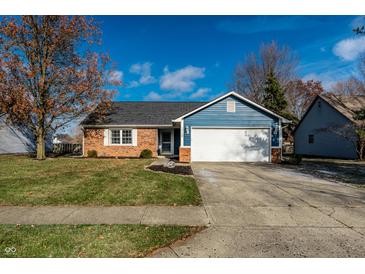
[
  {"x": 238, "y": 96},
  {"x": 218, "y": 114},
  {"x": 345, "y": 105}
]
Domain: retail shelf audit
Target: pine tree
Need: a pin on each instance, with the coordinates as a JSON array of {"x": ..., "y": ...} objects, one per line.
[{"x": 274, "y": 98}]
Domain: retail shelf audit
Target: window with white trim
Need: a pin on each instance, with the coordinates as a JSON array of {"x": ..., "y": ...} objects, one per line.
[
  {"x": 115, "y": 136},
  {"x": 231, "y": 106},
  {"x": 121, "y": 137},
  {"x": 126, "y": 136}
]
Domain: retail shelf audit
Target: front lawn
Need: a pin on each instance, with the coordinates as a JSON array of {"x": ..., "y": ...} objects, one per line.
[
  {"x": 71, "y": 181},
  {"x": 86, "y": 240}
]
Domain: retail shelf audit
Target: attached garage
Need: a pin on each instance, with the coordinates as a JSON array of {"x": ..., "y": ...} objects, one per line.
[
  {"x": 230, "y": 144},
  {"x": 230, "y": 128}
]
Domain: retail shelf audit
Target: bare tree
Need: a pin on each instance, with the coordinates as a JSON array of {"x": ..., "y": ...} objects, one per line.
[
  {"x": 355, "y": 85},
  {"x": 360, "y": 29},
  {"x": 352, "y": 86},
  {"x": 300, "y": 95},
  {"x": 250, "y": 76}
]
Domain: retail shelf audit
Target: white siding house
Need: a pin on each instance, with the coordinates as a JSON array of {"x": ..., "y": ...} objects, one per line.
[
  {"x": 310, "y": 138},
  {"x": 11, "y": 141}
]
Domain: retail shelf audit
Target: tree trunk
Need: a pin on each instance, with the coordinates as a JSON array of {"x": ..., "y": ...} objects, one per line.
[
  {"x": 361, "y": 151},
  {"x": 41, "y": 145}
]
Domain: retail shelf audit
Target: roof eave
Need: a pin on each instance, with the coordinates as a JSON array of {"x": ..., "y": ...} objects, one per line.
[{"x": 127, "y": 125}]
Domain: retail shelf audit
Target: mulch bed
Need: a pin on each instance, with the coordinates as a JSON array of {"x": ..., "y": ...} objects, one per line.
[{"x": 183, "y": 170}]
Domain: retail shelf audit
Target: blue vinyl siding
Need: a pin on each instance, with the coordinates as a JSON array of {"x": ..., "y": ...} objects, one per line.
[{"x": 246, "y": 115}]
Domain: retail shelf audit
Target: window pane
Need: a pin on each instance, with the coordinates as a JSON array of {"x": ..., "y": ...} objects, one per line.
[
  {"x": 166, "y": 147},
  {"x": 166, "y": 136},
  {"x": 115, "y": 136},
  {"x": 310, "y": 138},
  {"x": 127, "y": 136}
]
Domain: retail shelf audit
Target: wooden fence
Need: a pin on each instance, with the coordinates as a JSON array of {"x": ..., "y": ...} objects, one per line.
[{"x": 64, "y": 148}]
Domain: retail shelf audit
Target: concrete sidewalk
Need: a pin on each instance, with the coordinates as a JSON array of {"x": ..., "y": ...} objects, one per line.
[{"x": 148, "y": 215}]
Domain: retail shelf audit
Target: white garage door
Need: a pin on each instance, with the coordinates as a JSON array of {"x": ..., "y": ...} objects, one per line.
[{"x": 230, "y": 145}]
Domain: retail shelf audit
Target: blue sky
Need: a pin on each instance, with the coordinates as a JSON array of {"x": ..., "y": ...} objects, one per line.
[{"x": 183, "y": 58}]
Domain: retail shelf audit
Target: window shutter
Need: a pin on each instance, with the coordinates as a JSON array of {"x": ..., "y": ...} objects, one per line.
[
  {"x": 134, "y": 137},
  {"x": 106, "y": 137}
]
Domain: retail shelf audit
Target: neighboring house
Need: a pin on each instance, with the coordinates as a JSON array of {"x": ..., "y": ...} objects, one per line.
[
  {"x": 230, "y": 128},
  {"x": 11, "y": 140},
  {"x": 315, "y": 135},
  {"x": 62, "y": 138}
]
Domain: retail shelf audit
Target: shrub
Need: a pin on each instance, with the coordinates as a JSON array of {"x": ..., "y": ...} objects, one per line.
[
  {"x": 146, "y": 154},
  {"x": 92, "y": 153}
]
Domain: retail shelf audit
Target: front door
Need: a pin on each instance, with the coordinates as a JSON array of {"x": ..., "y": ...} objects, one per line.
[{"x": 166, "y": 141}]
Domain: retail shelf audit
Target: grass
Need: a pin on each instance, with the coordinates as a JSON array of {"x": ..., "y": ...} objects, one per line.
[
  {"x": 94, "y": 241},
  {"x": 103, "y": 182}
]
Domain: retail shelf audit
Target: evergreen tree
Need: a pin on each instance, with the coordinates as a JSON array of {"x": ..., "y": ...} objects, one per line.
[
  {"x": 360, "y": 114},
  {"x": 274, "y": 98}
]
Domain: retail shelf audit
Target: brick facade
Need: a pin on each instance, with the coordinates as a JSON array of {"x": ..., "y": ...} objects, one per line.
[
  {"x": 184, "y": 154},
  {"x": 276, "y": 155},
  {"x": 94, "y": 140},
  {"x": 146, "y": 139}
]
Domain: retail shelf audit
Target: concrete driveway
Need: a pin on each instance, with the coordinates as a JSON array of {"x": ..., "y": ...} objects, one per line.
[{"x": 260, "y": 210}]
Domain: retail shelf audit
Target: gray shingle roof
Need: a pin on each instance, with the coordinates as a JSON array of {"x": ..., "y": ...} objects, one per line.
[
  {"x": 142, "y": 113},
  {"x": 347, "y": 105}
]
